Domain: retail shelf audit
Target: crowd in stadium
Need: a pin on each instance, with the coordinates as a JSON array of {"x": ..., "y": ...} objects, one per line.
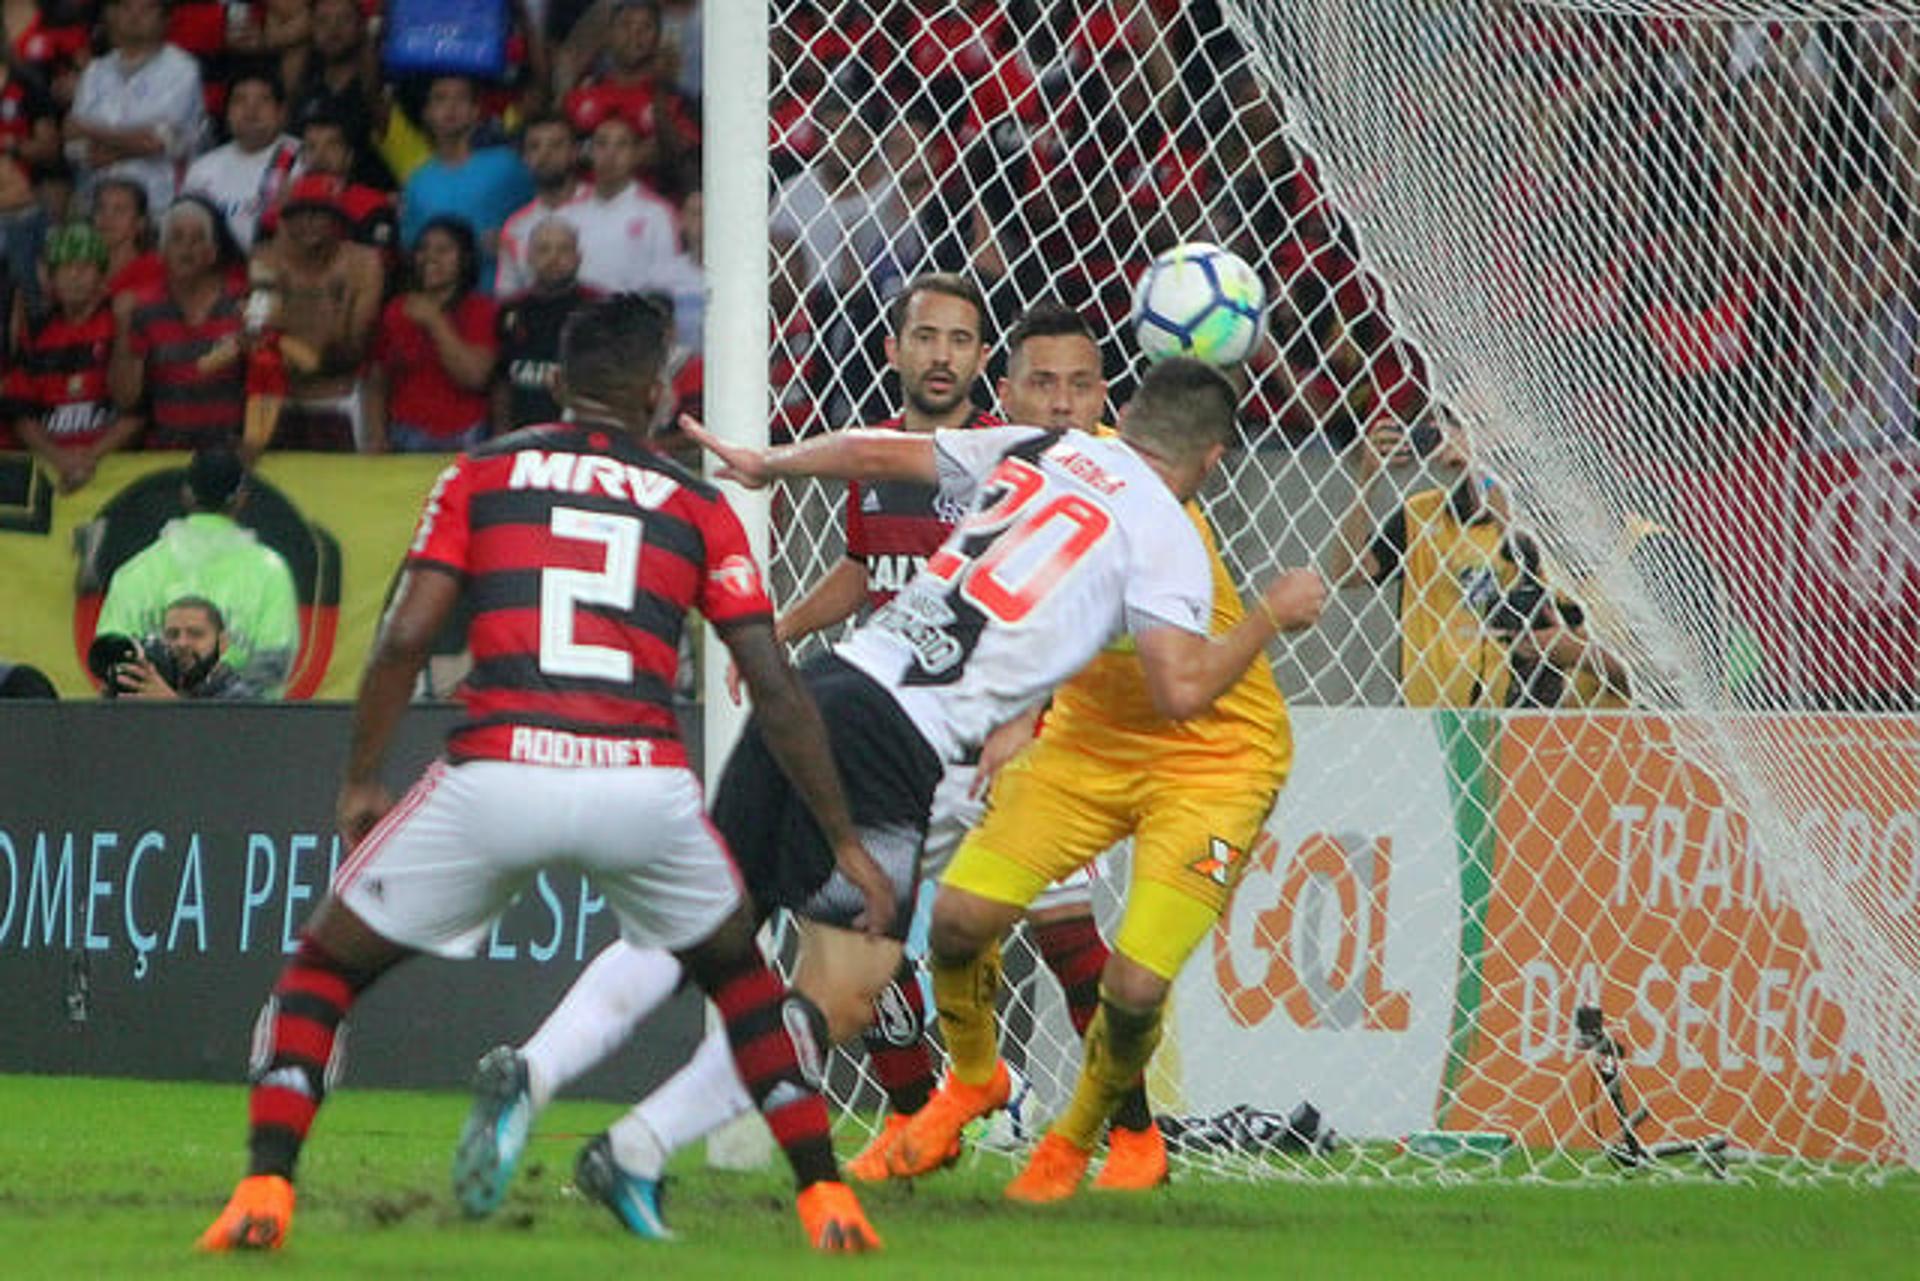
[
  {"x": 1044, "y": 148},
  {"x": 209, "y": 206}
]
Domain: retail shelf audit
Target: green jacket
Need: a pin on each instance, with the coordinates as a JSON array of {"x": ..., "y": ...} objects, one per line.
[{"x": 205, "y": 554}]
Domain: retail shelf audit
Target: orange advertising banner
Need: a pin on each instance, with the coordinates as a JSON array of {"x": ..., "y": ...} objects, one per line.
[{"x": 1624, "y": 878}]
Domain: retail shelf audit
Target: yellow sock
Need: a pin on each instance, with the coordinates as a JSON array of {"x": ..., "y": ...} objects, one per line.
[
  {"x": 1119, "y": 1043},
  {"x": 964, "y": 994}
]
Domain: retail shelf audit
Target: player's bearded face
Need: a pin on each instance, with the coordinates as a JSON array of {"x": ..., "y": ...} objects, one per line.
[{"x": 938, "y": 355}]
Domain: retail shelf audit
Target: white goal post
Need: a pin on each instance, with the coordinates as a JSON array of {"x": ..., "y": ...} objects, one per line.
[{"x": 1655, "y": 264}]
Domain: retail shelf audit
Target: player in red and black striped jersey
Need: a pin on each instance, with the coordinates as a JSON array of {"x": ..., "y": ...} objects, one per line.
[
  {"x": 936, "y": 347},
  {"x": 580, "y": 551}
]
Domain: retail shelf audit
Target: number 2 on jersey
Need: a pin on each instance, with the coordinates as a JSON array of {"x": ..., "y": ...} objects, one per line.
[
  {"x": 1005, "y": 528},
  {"x": 563, "y": 591}
]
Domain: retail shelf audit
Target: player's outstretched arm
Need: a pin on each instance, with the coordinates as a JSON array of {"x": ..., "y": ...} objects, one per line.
[
  {"x": 797, "y": 737},
  {"x": 420, "y": 609},
  {"x": 1186, "y": 671},
  {"x": 829, "y": 602},
  {"x": 836, "y": 455}
]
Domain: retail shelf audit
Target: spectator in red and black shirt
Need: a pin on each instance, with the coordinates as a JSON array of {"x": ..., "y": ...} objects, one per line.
[
  {"x": 434, "y": 350},
  {"x": 530, "y": 326},
  {"x": 57, "y": 393},
  {"x": 121, "y": 217},
  {"x": 181, "y": 353}
]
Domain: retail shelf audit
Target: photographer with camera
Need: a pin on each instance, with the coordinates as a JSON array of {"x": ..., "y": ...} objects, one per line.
[
  {"x": 1479, "y": 624},
  {"x": 183, "y": 661},
  {"x": 207, "y": 553}
]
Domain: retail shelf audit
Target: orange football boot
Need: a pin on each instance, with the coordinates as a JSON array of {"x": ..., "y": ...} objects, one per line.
[
  {"x": 931, "y": 1137},
  {"x": 834, "y": 1222},
  {"x": 1053, "y": 1172},
  {"x": 258, "y": 1217},
  {"x": 1136, "y": 1160}
]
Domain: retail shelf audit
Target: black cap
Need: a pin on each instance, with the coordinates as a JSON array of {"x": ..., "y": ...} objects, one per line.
[{"x": 214, "y": 477}]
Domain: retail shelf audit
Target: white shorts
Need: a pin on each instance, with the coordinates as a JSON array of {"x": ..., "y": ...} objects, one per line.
[
  {"x": 438, "y": 870},
  {"x": 956, "y": 811},
  {"x": 954, "y": 814}
]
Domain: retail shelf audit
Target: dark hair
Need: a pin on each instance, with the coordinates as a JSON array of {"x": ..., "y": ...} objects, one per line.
[
  {"x": 201, "y": 603},
  {"x": 19, "y": 680},
  {"x": 214, "y": 476},
  {"x": 612, "y": 346},
  {"x": 318, "y": 113},
  {"x": 472, "y": 84},
  {"x": 1184, "y": 405},
  {"x": 133, "y": 187},
  {"x": 461, "y": 232},
  {"x": 1048, "y": 320},
  {"x": 949, "y": 283},
  {"x": 541, "y": 118},
  {"x": 255, "y": 75}
]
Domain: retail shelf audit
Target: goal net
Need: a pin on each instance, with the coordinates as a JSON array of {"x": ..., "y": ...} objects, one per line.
[{"x": 1601, "y": 849}]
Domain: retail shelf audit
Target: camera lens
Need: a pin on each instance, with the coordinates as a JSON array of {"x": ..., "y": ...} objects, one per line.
[{"x": 108, "y": 651}]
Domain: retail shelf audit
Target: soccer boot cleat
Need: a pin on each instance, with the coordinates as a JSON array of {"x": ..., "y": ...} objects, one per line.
[
  {"x": 259, "y": 1216},
  {"x": 931, "y": 1137},
  {"x": 1053, "y": 1172},
  {"x": 834, "y": 1222},
  {"x": 871, "y": 1165},
  {"x": 635, "y": 1201},
  {"x": 495, "y": 1135},
  {"x": 1136, "y": 1160}
]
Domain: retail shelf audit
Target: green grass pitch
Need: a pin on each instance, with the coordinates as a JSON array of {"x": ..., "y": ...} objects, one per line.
[{"x": 115, "y": 1179}]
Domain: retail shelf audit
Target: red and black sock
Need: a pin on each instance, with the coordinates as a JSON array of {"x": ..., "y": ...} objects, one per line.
[
  {"x": 779, "y": 1039},
  {"x": 897, "y": 1042},
  {"x": 1077, "y": 955},
  {"x": 1075, "y": 952},
  {"x": 293, "y": 1055}
]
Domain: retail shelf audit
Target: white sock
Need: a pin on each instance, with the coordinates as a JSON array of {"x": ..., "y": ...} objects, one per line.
[
  {"x": 611, "y": 998},
  {"x": 692, "y": 1103}
]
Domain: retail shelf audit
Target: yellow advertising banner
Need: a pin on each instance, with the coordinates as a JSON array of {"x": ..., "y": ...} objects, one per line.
[{"x": 342, "y": 522}]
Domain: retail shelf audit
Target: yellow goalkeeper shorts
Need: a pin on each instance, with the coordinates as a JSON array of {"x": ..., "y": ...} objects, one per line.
[{"x": 1054, "y": 811}]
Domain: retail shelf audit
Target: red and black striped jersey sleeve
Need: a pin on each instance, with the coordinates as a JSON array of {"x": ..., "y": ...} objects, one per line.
[
  {"x": 440, "y": 538},
  {"x": 894, "y": 525},
  {"x": 731, "y": 590}
]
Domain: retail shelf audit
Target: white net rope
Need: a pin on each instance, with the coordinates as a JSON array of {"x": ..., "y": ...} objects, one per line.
[{"x": 1657, "y": 262}]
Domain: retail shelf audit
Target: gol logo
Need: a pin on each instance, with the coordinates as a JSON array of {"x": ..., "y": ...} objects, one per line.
[{"x": 1324, "y": 935}]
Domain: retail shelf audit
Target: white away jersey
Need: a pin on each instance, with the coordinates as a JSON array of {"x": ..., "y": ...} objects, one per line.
[{"x": 1071, "y": 540}]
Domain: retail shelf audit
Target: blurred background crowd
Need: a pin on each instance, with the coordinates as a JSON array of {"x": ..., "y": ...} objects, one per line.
[{"x": 204, "y": 203}]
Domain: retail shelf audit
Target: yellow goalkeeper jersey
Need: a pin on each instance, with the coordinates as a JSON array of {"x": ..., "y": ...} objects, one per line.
[{"x": 1106, "y": 712}]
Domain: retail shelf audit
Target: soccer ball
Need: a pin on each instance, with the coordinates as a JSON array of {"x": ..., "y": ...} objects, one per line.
[{"x": 1198, "y": 300}]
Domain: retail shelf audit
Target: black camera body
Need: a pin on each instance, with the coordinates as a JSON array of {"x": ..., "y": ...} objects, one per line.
[
  {"x": 1520, "y": 608},
  {"x": 113, "y": 649}
]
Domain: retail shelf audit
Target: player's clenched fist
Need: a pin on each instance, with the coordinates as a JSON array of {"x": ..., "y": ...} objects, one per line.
[{"x": 1294, "y": 599}]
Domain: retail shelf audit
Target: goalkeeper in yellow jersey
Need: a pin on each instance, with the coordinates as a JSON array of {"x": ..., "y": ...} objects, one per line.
[{"x": 1192, "y": 794}]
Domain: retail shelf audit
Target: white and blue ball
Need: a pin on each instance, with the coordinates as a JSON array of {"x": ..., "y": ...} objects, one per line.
[{"x": 1199, "y": 300}]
